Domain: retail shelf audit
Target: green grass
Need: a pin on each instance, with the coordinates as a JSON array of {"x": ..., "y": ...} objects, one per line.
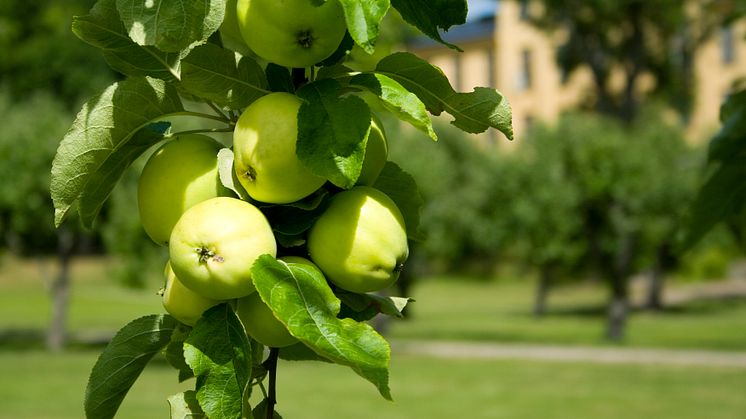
[
  {"x": 38, "y": 385},
  {"x": 464, "y": 309},
  {"x": 97, "y": 303},
  {"x": 446, "y": 308},
  {"x": 52, "y": 386}
]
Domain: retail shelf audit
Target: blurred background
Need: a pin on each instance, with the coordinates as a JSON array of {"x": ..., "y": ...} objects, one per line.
[{"x": 553, "y": 282}]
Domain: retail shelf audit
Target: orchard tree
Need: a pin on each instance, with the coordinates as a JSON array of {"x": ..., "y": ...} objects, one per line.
[
  {"x": 623, "y": 190},
  {"x": 284, "y": 234},
  {"x": 544, "y": 211},
  {"x": 635, "y": 37},
  {"x": 38, "y": 52},
  {"x": 36, "y": 93}
]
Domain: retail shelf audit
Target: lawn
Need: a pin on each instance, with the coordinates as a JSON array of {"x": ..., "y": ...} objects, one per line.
[
  {"x": 39, "y": 385},
  {"x": 47, "y": 386},
  {"x": 445, "y": 308},
  {"x": 468, "y": 309}
]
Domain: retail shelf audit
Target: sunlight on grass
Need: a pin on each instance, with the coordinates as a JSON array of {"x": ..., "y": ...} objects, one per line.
[{"x": 422, "y": 388}]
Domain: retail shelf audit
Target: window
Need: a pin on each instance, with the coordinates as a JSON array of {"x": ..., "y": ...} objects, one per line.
[
  {"x": 525, "y": 75},
  {"x": 727, "y": 45},
  {"x": 524, "y": 10}
]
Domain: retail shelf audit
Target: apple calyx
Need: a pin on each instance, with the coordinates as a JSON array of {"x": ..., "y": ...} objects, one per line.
[
  {"x": 305, "y": 39},
  {"x": 251, "y": 174},
  {"x": 399, "y": 267},
  {"x": 206, "y": 254}
]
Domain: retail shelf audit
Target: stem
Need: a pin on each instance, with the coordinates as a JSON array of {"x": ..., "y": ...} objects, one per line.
[
  {"x": 199, "y": 131},
  {"x": 202, "y": 115},
  {"x": 271, "y": 365},
  {"x": 216, "y": 109},
  {"x": 264, "y": 390}
]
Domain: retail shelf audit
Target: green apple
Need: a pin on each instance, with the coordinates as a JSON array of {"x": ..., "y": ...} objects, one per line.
[
  {"x": 215, "y": 243},
  {"x": 264, "y": 151},
  {"x": 261, "y": 324},
  {"x": 376, "y": 153},
  {"x": 360, "y": 241},
  {"x": 182, "y": 303},
  {"x": 181, "y": 173},
  {"x": 292, "y": 33},
  {"x": 229, "y": 28}
]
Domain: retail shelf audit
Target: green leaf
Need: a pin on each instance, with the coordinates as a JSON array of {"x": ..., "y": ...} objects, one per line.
[
  {"x": 300, "y": 352},
  {"x": 175, "y": 352},
  {"x": 300, "y": 298},
  {"x": 227, "y": 175},
  {"x": 171, "y": 25},
  {"x": 398, "y": 100},
  {"x": 473, "y": 112},
  {"x": 113, "y": 167},
  {"x": 103, "y": 29},
  {"x": 100, "y": 137},
  {"x": 721, "y": 197},
  {"x": 341, "y": 52},
  {"x": 219, "y": 353},
  {"x": 279, "y": 78},
  {"x": 364, "y": 306},
  {"x": 223, "y": 76},
  {"x": 332, "y": 132},
  {"x": 122, "y": 361},
  {"x": 401, "y": 187},
  {"x": 185, "y": 406},
  {"x": 363, "y": 19},
  {"x": 291, "y": 220},
  {"x": 260, "y": 411},
  {"x": 429, "y": 16},
  {"x": 730, "y": 141}
]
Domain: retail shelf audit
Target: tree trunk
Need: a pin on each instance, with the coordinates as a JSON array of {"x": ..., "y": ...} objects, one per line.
[
  {"x": 617, "y": 317},
  {"x": 542, "y": 291},
  {"x": 60, "y": 292},
  {"x": 619, "y": 302},
  {"x": 654, "y": 300}
]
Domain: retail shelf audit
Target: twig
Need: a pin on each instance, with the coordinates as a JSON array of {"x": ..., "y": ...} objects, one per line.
[{"x": 271, "y": 365}]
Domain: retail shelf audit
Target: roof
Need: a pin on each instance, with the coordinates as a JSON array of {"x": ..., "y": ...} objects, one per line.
[
  {"x": 480, "y": 24},
  {"x": 474, "y": 30}
]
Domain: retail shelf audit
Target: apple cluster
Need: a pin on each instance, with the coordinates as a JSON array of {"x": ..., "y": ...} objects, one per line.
[
  {"x": 358, "y": 242},
  {"x": 214, "y": 234}
]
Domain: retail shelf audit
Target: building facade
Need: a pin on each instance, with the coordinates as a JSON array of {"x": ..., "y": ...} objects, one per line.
[{"x": 505, "y": 51}]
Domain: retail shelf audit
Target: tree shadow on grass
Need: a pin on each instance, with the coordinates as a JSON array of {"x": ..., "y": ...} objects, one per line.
[{"x": 35, "y": 339}]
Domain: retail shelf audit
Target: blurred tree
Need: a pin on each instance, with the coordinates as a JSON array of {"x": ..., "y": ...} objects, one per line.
[
  {"x": 38, "y": 51},
  {"x": 633, "y": 184},
  {"x": 635, "y": 37},
  {"x": 467, "y": 192},
  {"x": 44, "y": 71},
  {"x": 31, "y": 130},
  {"x": 545, "y": 211}
]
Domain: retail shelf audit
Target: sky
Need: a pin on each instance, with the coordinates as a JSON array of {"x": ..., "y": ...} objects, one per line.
[{"x": 480, "y": 8}]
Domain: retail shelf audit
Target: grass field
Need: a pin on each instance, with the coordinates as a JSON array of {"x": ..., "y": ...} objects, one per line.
[
  {"x": 453, "y": 308},
  {"x": 51, "y": 387},
  {"x": 38, "y": 385}
]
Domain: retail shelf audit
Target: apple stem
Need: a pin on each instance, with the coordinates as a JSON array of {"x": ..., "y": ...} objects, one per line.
[{"x": 271, "y": 365}]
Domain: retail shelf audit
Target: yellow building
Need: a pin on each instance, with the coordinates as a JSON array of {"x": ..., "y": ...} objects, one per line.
[{"x": 504, "y": 50}]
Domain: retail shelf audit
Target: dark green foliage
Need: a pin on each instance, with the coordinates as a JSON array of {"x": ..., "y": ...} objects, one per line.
[
  {"x": 38, "y": 51},
  {"x": 722, "y": 197},
  {"x": 561, "y": 198},
  {"x": 31, "y": 129}
]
